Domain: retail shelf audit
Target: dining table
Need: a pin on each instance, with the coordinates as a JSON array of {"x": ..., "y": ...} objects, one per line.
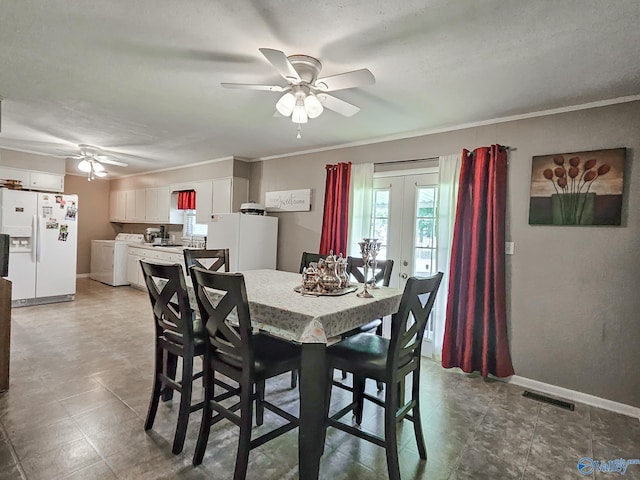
[{"x": 314, "y": 322}]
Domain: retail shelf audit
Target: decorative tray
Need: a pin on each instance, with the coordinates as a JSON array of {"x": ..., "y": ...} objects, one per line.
[{"x": 335, "y": 293}]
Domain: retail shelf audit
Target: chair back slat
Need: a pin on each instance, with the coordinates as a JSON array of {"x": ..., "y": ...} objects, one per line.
[
  {"x": 211, "y": 259},
  {"x": 172, "y": 314},
  {"x": 408, "y": 324},
  {"x": 308, "y": 258},
  {"x": 355, "y": 268},
  {"x": 224, "y": 309}
]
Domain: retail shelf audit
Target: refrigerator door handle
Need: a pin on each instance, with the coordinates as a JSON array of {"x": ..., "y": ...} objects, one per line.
[{"x": 36, "y": 239}]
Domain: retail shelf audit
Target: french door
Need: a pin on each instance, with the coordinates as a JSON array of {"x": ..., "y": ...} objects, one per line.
[{"x": 404, "y": 217}]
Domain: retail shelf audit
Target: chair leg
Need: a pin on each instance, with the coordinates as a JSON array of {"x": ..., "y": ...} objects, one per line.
[
  {"x": 246, "y": 421},
  {"x": 380, "y": 385},
  {"x": 327, "y": 404},
  {"x": 390, "y": 426},
  {"x": 358, "y": 397},
  {"x": 260, "y": 402},
  {"x": 171, "y": 365},
  {"x": 185, "y": 405},
  {"x": 294, "y": 378},
  {"x": 207, "y": 413},
  {"x": 155, "y": 392},
  {"x": 417, "y": 421}
]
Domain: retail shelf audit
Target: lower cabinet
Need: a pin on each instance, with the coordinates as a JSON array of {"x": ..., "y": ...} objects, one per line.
[{"x": 134, "y": 271}]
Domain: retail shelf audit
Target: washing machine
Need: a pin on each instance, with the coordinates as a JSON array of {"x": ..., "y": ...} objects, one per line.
[{"x": 109, "y": 258}]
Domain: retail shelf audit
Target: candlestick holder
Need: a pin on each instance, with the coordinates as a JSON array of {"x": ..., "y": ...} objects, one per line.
[
  {"x": 374, "y": 249},
  {"x": 365, "y": 251}
]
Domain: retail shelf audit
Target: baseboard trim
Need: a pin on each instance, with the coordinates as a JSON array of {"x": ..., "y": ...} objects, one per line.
[
  {"x": 82, "y": 275},
  {"x": 573, "y": 395}
]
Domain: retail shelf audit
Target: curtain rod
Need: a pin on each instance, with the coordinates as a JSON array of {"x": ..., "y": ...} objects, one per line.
[
  {"x": 390, "y": 162},
  {"x": 406, "y": 161}
]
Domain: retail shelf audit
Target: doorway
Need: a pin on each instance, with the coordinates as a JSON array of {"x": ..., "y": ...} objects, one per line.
[{"x": 404, "y": 219}]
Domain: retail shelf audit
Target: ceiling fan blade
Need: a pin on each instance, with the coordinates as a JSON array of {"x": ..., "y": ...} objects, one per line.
[
  {"x": 339, "y": 106},
  {"x": 249, "y": 86},
  {"x": 341, "y": 81},
  {"x": 282, "y": 64}
]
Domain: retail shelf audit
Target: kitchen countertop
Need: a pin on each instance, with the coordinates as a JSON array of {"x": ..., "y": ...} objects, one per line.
[{"x": 160, "y": 248}]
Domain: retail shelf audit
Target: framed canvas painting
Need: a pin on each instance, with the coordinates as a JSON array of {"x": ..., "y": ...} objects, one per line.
[{"x": 580, "y": 188}]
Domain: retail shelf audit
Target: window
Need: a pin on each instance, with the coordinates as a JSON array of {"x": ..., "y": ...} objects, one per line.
[
  {"x": 191, "y": 228},
  {"x": 380, "y": 219}
]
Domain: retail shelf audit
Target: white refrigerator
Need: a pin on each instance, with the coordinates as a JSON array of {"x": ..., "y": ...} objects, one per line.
[
  {"x": 252, "y": 240},
  {"x": 43, "y": 231}
]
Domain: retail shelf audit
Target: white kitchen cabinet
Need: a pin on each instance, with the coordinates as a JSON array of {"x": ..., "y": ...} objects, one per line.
[
  {"x": 117, "y": 206},
  {"x": 229, "y": 194},
  {"x": 156, "y": 254},
  {"x": 134, "y": 272},
  {"x": 135, "y": 205},
  {"x": 203, "y": 201},
  {"x": 49, "y": 182},
  {"x": 34, "y": 180},
  {"x": 7, "y": 173},
  {"x": 158, "y": 203}
]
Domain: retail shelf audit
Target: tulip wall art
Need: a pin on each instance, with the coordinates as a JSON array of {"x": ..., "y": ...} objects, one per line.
[{"x": 581, "y": 188}]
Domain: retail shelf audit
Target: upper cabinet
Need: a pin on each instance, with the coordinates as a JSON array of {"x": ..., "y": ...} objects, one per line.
[
  {"x": 117, "y": 205},
  {"x": 135, "y": 205},
  {"x": 204, "y": 202},
  {"x": 46, "y": 181},
  {"x": 229, "y": 194},
  {"x": 158, "y": 204},
  {"x": 32, "y": 180}
]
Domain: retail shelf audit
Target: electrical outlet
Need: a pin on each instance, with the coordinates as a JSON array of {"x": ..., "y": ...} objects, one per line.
[{"x": 509, "y": 248}]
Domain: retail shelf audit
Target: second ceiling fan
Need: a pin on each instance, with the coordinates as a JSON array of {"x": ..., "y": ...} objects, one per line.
[{"x": 305, "y": 96}]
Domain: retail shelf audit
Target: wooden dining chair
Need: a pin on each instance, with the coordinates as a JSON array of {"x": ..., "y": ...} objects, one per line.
[
  {"x": 211, "y": 259},
  {"x": 308, "y": 258},
  {"x": 389, "y": 361},
  {"x": 177, "y": 334},
  {"x": 355, "y": 270},
  {"x": 235, "y": 352}
]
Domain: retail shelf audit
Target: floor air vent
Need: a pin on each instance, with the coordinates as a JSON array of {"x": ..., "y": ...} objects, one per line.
[{"x": 552, "y": 401}]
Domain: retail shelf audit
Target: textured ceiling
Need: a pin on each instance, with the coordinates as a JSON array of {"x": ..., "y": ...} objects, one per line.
[{"x": 142, "y": 78}]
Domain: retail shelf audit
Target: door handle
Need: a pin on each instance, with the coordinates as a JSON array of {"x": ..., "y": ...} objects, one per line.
[{"x": 404, "y": 276}]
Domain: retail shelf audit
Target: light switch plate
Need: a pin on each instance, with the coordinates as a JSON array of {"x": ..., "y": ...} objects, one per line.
[{"x": 509, "y": 248}]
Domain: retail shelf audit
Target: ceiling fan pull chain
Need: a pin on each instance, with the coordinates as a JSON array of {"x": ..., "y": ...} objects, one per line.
[{"x": 299, "y": 130}]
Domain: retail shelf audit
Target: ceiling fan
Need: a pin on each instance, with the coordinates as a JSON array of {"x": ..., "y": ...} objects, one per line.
[
  {"x": 306, "y": 95},
  {"x": 91, "y": 160}
]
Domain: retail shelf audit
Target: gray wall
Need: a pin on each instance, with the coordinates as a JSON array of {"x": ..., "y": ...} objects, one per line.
[
  {"x": 574, "y": 301},
  {"x": 204, "y": 171},
  {"x": 30, "y": 161}
]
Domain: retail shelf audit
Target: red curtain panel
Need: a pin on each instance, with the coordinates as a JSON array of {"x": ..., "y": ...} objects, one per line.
[
  {"x": 336, "y": 209},
  {"x": 475, "y": 336},
  {"x": 187, "y": 200}
]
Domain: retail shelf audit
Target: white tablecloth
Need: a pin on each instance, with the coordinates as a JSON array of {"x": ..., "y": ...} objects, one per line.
[{"x": 277, "y": 309}]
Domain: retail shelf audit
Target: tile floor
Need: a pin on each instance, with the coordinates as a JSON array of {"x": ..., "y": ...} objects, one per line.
[{"x": 81, "y": 379}]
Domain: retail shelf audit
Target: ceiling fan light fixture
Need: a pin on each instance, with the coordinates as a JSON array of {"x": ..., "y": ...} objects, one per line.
[
  {"x": 312, "y": 106},
  {"x": 84, "y": 166},
  {"x": 101, "y": 173},
  {"x": 286, "y": 104},
  {"x": 98, "y": 167},
  {"x": 299, "y": 114}
]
